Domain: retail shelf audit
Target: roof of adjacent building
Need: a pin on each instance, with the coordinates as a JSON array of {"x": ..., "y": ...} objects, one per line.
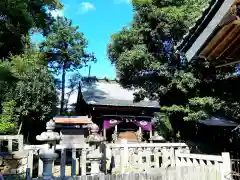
[
  {"x": 111, "y": 93},
  {"x": 204, "y": 26},
  {"x": 214, "y": 121},
  {"x": 200, "y": 24},
  {"x": 73, "y": 120}
]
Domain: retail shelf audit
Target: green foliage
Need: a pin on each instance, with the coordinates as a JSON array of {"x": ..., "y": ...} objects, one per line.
[
  {"x": 8, "y": 118},
  {"x": 30, "y": 85},
  {"x": 164, "y": 126},
  {"x": 35, "y": 91},
  {"x": 66, "y": 49},
  {"x": 144, "y": 57},
  {"x": 18, "y": 18},
  {"x": 66, "y": 46}
]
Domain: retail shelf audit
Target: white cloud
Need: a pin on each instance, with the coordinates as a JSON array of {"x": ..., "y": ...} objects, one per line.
[
  {"x": 123, "y": 1},
  {"x": 86, "y": 7},
  {"x": 57, "y": 13},
  {"x": 60, "y": 13}
]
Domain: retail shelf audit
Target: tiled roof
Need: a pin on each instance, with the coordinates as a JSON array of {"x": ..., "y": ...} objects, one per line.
[
  {"x": 110, "y": 92},
  {"x": 72, "y": 120},
  {"x": 200, "y": 24}
]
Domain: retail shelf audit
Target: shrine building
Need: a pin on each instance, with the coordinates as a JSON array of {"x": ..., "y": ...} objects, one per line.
[
  {"x": 215, "y": 35},
  {"x": 113, "y": 109}
]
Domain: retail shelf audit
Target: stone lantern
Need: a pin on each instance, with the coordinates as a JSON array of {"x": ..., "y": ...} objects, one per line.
[
  {"x": 95, "y": 156},
  {"x": 156, "y": 138},
  {"x": 48, "y": 155}
]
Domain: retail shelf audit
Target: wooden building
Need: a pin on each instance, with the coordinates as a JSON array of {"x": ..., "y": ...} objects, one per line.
[
  {"x": 73, "y": 129},
  {"x": 215, "y": 35},
  {"x": 113, "y": 109}
]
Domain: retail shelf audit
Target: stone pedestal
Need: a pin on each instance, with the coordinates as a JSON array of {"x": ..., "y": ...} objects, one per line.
[{"x": 48, "y": 159}]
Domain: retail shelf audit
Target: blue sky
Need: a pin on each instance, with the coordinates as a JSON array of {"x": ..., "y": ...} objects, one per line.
[{"x": 98, "y": 20}]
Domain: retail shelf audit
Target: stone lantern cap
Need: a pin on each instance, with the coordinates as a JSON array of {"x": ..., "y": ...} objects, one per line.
[
  {"x": 94, "y": 137},
  {"x": 157, "y": 137},
  {"x": 49, "y": 135}
]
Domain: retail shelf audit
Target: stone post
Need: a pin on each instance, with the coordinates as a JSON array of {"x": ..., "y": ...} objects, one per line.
[
  {"x": 83, "y": 162},
  {"x": 226, "y": 166},
  {"x": 95, "y": 156},
  {"x": 48, "y": 155}
]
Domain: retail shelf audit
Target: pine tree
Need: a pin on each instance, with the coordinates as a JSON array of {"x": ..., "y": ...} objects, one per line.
[{"x": 66, "y": 49}]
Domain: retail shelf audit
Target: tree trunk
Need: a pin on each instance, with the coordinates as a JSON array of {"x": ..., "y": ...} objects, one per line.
[
  {"x": 63, "y": 88},
  {"x": 20, "y": 126}
]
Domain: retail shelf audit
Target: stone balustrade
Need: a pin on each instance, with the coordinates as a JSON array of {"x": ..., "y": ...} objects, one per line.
[
  {"x": 139, "y": 157},
  {"x": 144, "y": 156},
  {"x": 127, "y": 157},
  {"x": 12, "y": 139},
  {"x": 222, "y": 163},
  {"x": 13, "y": 159}
]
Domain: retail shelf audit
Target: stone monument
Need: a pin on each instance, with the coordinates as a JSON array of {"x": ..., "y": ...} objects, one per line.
[{"x": 48, "y": 154}]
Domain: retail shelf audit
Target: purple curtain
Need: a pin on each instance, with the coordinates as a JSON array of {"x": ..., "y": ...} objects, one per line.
[
  {"x": 145, "y": 125},
  {"x": 108, "y": 124}
]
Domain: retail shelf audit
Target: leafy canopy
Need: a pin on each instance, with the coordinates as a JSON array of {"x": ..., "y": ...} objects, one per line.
[
  {"x": 30, "y": 86},
  {"x": 65, "y": 46},
  {"x": 143, "y": 53},
  {"x": 18, "y": 18}
]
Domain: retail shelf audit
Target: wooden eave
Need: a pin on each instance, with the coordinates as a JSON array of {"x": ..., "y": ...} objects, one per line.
[
  {"x": 206, "y": 26},
  {"x": 72, "y": 120},
  {"x": 224, "y": 47}
]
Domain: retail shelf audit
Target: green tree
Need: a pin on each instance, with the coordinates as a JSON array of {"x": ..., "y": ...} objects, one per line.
[
  {"x": 33, "y": 90},
  {"x": 66, "y": 48},
  {"x": 18, "y": 18},
  {"x": 144, "y": 57}
]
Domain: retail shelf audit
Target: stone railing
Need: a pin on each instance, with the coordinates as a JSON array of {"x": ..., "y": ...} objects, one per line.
[
  {"x": 143, "y": 156},
  {"x": 11, "y": 139},
  {"x": 139, "y": 157},
  {"x": 124, "y": 157},
  {"x": 13, "y": 160},
  {"x": 127, "y": 157},
  {"x": 178, "y": 173},
  {"x": 221, "y": 163},
  {"x": 78, "y": 159}
]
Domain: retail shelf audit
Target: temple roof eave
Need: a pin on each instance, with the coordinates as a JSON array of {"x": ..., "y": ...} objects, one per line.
[{"x": 204, "y": 29}]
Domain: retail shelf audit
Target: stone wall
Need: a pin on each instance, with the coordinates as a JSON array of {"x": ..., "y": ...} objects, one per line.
[{"x": 13, "y": 163}]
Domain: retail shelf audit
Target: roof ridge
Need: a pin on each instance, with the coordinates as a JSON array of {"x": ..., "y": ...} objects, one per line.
[{"x": 203, "y": 20}]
